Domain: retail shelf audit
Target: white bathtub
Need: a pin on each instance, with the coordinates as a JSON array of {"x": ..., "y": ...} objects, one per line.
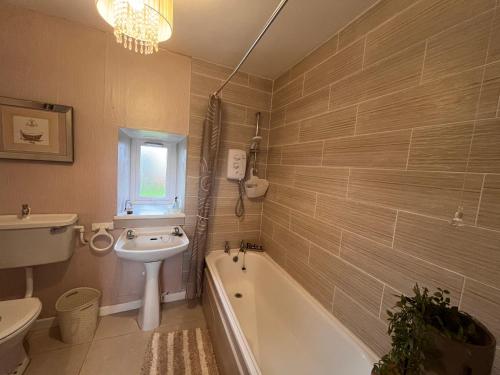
[{"x": 276, "y": 327}]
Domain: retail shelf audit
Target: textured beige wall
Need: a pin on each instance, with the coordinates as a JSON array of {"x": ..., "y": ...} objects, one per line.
[
  {"x": 371, "y": 138},
  {"x": 53, "y": 60}
]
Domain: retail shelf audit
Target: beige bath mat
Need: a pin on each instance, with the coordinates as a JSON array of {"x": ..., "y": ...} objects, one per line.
[{"x": 187, "y": 352}]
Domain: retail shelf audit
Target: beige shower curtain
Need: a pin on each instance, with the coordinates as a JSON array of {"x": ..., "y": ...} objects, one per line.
[{"x": 208, "y": 166}]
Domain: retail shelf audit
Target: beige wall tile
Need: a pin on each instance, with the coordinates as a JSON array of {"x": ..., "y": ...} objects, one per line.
[
  {"x": 398, "y": 72},
  {"x": 459, "y": 48},
  {"x": 303, "y": 154},
  {"x": 292, "y": 91},
  {"x": 272, "y": 248},
  {"x": 319, "y": 287},
  {"x": 319, "y": 233},
  {"x": 308, "y": 106},
  {"x": 400, "y": 270},
  {"x": 221, "y": 224},
  {"x": 440, "y": 148},
  {"x": 494, "y": 51},
  {"x": 260, "y": 83},
  {"x": 246, "y": 96},
  {"x": 373, "y": 222},
  {"x": 371, "y": 330},
  {"x": 281, "y": 81},
  {"x": 284, "y": 135},
  {"x": 265, "y": 118},
  {"x": 329, "y": 125},
  {"x": 489, "y": 212},
  {"x": 372, "y": 18},
  {"x": 225, "y": 206},
  {"x": 267, "y": 227},
  {"x": 231, "y": 112},
  {"x": 430, "y": 193},
  {"x": 237, "y": 133},
  {"x": 496, "y": 364},
  {"x": 470, "y": 251},
  {"x": 277, "y": 213},
  {"x": 300, "y": 200},
  {"x": 203, "y": 85},
  {"x": 198, "y": 105},
  {"x": 389, "y": 300},
  {"x": 452, "y": 99},
  {"x": 419, "y": 22},
  {"x": 217, "y": 71},
  {"x": 490, "y": 92},
  {"x": 277, "y": 118},
  {"x": 314, "y": 58},
  {"x": 332, "y": 181},
  {"x": 281, "y": 174},
  {"x": 385, "y": 150},
  {"x": 482, "y": 302},
  {"x": 249, "y": 222},
  {"x": 336, "y": 67},
  {"x": 485, "y": 153},
  {"x": 360, "y": 286},
  {"x": 274, "y": 155},
  {"x": 296, "y": 247}
]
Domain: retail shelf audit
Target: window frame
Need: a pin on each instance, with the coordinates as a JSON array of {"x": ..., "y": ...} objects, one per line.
[{"x": 170, "y": 173}]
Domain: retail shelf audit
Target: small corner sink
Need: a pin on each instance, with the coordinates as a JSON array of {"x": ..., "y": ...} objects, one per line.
[{"x": 151, "y": 244}]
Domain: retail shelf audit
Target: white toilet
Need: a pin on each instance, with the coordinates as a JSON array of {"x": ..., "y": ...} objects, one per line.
[
  {"x": 28, "y": 240},
  {"x": 16, "y": 318}
]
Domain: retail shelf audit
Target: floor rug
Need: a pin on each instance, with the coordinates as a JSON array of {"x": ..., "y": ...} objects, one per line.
[{"x": 187, "y": 352}]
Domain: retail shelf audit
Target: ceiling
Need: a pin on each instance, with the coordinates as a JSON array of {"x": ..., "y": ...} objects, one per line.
[{"x": 221, "y": 30}]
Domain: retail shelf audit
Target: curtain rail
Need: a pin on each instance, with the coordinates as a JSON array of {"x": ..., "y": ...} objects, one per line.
[{"x": 254, "y": 44}]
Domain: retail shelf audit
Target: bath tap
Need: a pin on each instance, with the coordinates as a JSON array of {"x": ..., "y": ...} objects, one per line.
[
  {"x": 131, "y": 234},
  {"x": 227, "y": 248},
  {"x": 25, "y": 211},
  {"x": 254, "y": 247}
]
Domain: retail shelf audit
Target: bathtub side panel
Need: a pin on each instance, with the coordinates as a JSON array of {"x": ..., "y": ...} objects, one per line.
[{"x": 227, "y": 359}]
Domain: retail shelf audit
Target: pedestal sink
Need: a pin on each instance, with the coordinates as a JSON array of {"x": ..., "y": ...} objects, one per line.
[{"x": 151, "y": 246}]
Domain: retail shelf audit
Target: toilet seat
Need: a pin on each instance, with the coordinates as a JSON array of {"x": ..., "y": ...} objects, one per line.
[{"x": 16, "y": 314}]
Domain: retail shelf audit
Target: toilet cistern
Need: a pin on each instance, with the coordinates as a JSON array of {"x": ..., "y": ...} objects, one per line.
[{"x": 151, "y": 246}]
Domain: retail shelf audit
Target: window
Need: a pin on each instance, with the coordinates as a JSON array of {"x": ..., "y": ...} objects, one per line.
[{"x": 153, "y": 172}]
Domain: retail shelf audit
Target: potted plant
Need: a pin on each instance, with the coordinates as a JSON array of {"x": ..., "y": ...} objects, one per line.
[{"x": 429, "y": 336}]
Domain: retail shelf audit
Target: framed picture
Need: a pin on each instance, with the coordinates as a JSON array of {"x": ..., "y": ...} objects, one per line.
[{"x": 35, "y": 131}]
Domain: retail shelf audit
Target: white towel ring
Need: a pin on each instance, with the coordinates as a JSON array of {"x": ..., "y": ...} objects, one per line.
[{"x": 101, "y": 233}]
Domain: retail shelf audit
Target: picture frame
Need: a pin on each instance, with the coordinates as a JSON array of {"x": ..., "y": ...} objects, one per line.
[{"x": 31, "y": 130}]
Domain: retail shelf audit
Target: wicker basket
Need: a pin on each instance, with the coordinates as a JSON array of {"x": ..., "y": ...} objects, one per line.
[{"x": 77, "y": 312}]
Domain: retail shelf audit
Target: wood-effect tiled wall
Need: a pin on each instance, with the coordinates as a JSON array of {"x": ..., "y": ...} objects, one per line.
[
  {"x": 242, "y": 99},
  {"x": 372, "y": 137}
]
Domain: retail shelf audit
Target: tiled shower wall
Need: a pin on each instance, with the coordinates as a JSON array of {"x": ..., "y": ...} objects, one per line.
[
  {"x": 372, "y": 138},
  {"x": 242, "y": 99}
]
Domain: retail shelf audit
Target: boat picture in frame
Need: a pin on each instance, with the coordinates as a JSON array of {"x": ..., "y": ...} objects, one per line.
[{"x": 31, "y": 130}]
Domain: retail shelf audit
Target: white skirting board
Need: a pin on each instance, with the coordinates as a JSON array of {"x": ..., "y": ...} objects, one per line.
[{"x": 111, "y": 309}]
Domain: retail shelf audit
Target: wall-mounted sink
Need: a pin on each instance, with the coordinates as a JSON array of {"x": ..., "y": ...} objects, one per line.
[
  {"x": 151, "y": 246},
  {"x": 36, "y": 239}
]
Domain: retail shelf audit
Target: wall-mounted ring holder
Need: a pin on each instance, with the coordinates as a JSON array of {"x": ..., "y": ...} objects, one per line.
[{"x": 102, "y": 233}]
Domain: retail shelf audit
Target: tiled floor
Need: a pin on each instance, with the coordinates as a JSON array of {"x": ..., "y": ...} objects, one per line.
[{"x": 117, "y": 348}]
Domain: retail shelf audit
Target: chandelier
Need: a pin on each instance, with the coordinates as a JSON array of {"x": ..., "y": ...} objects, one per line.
[{"x": 138, "y": 24}]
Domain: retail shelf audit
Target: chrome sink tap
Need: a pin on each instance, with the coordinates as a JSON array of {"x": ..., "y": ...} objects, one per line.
[
  {"x": 25, "y": 211},
  {"x": 131, "y": 234},
  {"x": 254, "y": 247}
]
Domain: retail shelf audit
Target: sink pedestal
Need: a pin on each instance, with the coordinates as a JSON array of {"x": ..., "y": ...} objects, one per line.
[{"x": 149, "y": 314}]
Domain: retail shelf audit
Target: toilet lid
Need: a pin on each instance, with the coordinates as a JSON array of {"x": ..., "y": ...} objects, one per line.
[{"x": 15, "y": 314}]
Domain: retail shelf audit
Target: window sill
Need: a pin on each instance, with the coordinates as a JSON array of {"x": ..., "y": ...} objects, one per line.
[{"x": 124, "y": 216}]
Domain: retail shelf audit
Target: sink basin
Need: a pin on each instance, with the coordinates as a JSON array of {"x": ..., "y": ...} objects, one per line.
[
  {"x": 151, "y": 246},
  {"x": 37, "y": 239}
]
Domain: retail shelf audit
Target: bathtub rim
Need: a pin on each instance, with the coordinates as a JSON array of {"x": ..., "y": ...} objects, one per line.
[{"x": 247, "y": 352}]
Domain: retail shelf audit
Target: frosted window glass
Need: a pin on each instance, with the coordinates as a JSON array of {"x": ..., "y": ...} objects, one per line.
[{"x": 153, "y": 172}]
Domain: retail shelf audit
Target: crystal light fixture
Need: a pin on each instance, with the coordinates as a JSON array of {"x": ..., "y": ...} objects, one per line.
[{"x": 139, "y": 24}]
